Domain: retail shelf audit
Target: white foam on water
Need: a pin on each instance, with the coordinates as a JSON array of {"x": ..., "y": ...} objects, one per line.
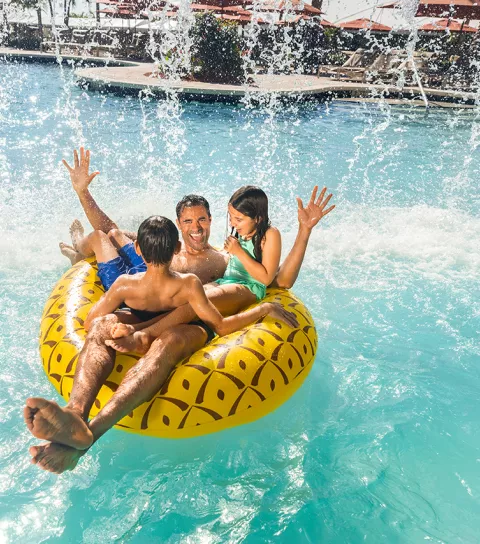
[{"x": 433, "y": 243}]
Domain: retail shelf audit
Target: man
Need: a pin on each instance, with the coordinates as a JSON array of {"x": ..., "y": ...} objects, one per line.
[{"x": 67, "y": 429}]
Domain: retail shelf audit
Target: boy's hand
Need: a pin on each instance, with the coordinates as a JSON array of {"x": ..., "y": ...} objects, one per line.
[
  {"x": 309, "y": 216},
  {"x": 232, "y": 246},
  {"x": 79, "y": 175},
  {"x": 277, "y": 311}
]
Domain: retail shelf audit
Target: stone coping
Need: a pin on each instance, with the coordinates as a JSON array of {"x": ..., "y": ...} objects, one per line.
[{"x": 119, "y": 76}]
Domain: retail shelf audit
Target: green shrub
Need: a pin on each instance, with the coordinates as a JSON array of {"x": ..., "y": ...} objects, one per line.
[{"x": 217, "y": 50}]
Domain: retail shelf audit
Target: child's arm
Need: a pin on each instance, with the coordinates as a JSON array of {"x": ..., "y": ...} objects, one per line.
[
  {"x": 308, "y": 218},
  {"x": 154, "y": 327},
  {"x": 109, "y": 302},
  {"x": 81, "y": 179},
  {"x": 265, "y": 271},
  {"x": 207, "y": 312}
]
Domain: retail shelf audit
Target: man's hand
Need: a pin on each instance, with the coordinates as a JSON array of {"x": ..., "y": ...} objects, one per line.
[
  {"x": 79, "y": 175},
  {"x": 309, "y": 216}
]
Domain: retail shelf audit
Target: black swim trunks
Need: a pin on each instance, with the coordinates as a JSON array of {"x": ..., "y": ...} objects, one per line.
[
  {"x": 146, "y": 315},
  {"x": 206, "y": 328}
]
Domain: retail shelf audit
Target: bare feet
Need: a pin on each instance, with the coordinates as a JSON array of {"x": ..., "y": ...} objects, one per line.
[
  {"x": 69, "y": 252},
  {"x": 55, "y": 457},
  {"x": 77, "y": 233},
  {"x": 138, "y": 342},
  {"x": 47, "y": 421},
  {"x": 121, "y": 329}
]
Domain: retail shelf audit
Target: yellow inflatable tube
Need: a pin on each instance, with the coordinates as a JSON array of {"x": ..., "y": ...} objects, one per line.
[{"x": 234, "y": 380}]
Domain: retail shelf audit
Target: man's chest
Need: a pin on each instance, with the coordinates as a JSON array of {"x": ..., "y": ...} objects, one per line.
[{"x": 208, "y": 268}]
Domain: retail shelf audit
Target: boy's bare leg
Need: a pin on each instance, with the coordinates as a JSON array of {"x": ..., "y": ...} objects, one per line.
[
  {"x": 228, "y": 299},
  {"x": 119, "y": 238},
  {"x": 139, "y": 385},
  {"x": 48, "y": 421},
  {"x": 96, "y": 243}
]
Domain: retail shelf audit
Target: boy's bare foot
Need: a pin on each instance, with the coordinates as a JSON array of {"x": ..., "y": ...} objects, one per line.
[
  {"x": 47, "y": 421},
  {"x": 138, "y": 342},
  {"x": 119, "y": 330},
  {"x": 55, "y": 457},
  {"x": 69, "y": 252},
  {"x": 77, "y": 233}
]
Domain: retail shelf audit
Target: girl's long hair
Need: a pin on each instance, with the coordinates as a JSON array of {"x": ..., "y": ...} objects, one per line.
[{"x": 253, "y": 202}]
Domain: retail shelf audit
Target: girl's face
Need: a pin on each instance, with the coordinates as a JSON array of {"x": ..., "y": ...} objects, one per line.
[{"x": 244, "y": 225}]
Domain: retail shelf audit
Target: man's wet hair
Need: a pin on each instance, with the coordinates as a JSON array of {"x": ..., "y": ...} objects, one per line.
[
  {"x": 188, "y": 201},
  {"x": 157, "y": 238}
]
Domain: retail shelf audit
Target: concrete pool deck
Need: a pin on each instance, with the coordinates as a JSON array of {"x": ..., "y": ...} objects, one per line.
[{"x": 132, "y": 77}]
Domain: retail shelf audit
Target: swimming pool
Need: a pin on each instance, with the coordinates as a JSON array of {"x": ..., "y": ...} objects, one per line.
[{"x": 382, "y": 442}]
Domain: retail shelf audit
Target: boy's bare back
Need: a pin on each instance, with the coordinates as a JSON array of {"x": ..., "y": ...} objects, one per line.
[{"x": 155, "y": 294}]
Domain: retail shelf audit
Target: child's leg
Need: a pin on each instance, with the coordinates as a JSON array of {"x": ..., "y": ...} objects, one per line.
[
  {"x": 96, "y": 243},
  {"x": 119, "y": 238},
  {"x": 126, "y": 250},
  {"x": 228, "y": 299}
]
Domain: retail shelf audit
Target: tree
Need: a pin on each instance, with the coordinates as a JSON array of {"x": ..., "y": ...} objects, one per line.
[
  {"x": 37, "y": 6},
  {"x": 217, "y": 50}
]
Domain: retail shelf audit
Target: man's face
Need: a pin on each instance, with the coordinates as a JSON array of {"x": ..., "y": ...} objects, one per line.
[{"x": 194, "y": 224}]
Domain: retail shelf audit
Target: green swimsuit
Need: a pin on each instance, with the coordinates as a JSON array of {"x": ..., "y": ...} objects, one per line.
[{"x": 236, "y": 273}]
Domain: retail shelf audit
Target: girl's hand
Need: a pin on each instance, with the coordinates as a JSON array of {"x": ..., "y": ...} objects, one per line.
[
  {"x": 309, "y": 216},
  {"x": 233, "y": 246}
]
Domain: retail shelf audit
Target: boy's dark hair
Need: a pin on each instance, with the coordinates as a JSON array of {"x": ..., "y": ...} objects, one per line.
[
  {"x": 157, "y": 238},
  {"x": 188, "y": 201}
]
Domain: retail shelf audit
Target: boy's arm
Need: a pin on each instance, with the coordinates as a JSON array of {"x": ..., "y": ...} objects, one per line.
[
  {"x": 207, "y": 312},
  {"x": 154, "y": 327},
  {"x": 307, "y": 219},
  {"x": 265, "y": 271},
  {"x": 81, "y": 179},
  {"x": 109, "y": 302}
]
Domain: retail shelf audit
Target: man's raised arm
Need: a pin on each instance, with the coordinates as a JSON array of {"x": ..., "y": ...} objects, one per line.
[
  {"x": 308, "y": 217},
  {"x": 81, "y": 179}
]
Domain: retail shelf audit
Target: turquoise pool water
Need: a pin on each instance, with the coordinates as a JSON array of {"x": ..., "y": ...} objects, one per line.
[{"x": 382, "y": 443}]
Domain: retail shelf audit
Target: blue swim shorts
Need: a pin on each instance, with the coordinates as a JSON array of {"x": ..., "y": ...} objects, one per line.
[{"x": 127, "y": 262}]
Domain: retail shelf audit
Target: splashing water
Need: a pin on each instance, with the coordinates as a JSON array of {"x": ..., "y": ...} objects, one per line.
[{"x": 381, "y": 443}]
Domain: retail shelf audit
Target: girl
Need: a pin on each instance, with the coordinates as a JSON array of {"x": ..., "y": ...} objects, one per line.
[{"x": 254, "y": 259}]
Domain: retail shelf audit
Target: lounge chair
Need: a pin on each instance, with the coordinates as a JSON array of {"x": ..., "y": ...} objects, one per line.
[{"x": 354, "y": 68}]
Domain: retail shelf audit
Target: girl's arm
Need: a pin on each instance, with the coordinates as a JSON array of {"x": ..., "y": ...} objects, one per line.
[
  {"x": 308, "y": 218},
  {"x": 207, "y": 312},
  {"x": 109, "y": 302},
  {"x": 265, "y": 271}
]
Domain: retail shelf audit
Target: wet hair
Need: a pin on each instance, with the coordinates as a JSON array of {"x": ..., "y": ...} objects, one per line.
[
  {"x": 253, "y": 202},
  {"x": 188, "y": 201},
  {"x": 157, "y": 238}
]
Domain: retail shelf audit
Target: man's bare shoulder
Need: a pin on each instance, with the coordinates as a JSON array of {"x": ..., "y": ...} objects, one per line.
[{"x": 216, "y": 254}]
